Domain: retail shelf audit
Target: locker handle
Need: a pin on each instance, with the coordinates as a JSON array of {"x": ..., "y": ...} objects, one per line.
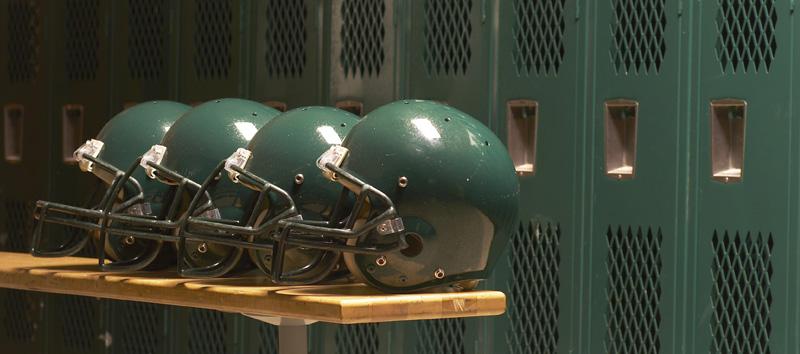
[
  {"x": 727, "y": 139},
  {"x": 621, "y": 118},
  {"x": 13, "y": 124},
  {"x": 71, "y": 131},
  {"x": 522, "y": 118},
  {"x": 355, "y": 107},
  {"x": 281, "y": 106}
]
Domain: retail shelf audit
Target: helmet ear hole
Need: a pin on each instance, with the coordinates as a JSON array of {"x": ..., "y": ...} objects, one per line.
[{"x": 414, "y": 245}]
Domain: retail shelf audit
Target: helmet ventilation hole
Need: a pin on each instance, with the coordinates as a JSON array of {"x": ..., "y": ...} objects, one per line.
[
  {"x": 298, "y": 178},
  {"x": 344, "y": 125},
  {"x": 486, "y": 142},
  {"x": 414, "y": 248},
  {"x": 402, "y": 182},
  {"x": 447, "y": 119}
]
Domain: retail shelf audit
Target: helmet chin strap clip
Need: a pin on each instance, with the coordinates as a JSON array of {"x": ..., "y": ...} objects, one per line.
[
  {"x": 91, "y": 148},
  {"x": 390, "y": 226},
  {"x": 334, "y": 155},
  {"x": 154, "y": 156},
  {"x": 239, "y": 158}
]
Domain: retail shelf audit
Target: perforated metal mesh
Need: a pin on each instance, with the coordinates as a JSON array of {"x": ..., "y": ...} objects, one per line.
[
  {"x": 746, "y": 35},
  {"x": 213, "y": 38},
  {"x": 285, "y": 39},
  {"x": 538, "y": 36},
  {"x": 633, "y": 317},
  {"x": 357, "y": 339},
  {"x": 21, "y": 315},
  {"x": 147, "y": 27},
  {"x": 742, "y": 294},
  {"x": 207, "y": 332},
  {"x": 441, "y": 336},
  {"x": 17, "y": 225},
  {"x": 139, "y": 329},
  {"x": 638, "y": 45},
  {"x": 267, "y": 339},
  {"x": 447, "y": 32},
  {"x": 362, "y": 35},
  {"x": 79, "y": 323},
  {"x": 23, "y": 40},
  {"x": 533, "y": 288},
  {"x": 82, "y": 40}
]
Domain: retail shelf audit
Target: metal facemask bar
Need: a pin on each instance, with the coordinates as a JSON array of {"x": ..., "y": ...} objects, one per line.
[
  {"x": 239, "y": 234},
  {"x": 83, "y": 218},
  {"x": 157, "y": 228}
]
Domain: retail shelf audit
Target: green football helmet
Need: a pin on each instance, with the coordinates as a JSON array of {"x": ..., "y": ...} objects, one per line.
[
  {"x": 189, "y": 152},
  {"x": 119, "y": 143},
  {"x": 278, "y": 167},
  {"x": 435, "y": 201}
]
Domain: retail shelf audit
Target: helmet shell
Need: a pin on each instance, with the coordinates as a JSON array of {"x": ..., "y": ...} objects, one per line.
[
  {"x": 461, "y": 194},
  {"x": 199, "y": 140},
  {"x": 287, "y": 148},
  {"x": 134, "y": 130}
]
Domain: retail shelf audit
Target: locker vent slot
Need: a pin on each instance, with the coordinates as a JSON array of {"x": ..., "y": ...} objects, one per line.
[
  {"x": 13, "y": 132},
  {"x": 140, "y": 327},
  {"x": 22, "y": 316},
  {"x": 267, "y": 339},
  {"x": 538, "y": 31},
  {"x": 633, "y": 265},
  {"x": 361, "y": 36},
  {"x": 447, "y": 37},
  {"x": 207, "y": 332},
  {"x": 621, "y": 117},
  {"x": 79, "y": 323},
  {"x": 213, "y": 39},
  {"x": 638, "y": 44},
  {"x": 23, "y": 40},
  {"x": 522, "y": 118},
  {"x": 357, "y": 339},
  {"x": 727, "y": 139},
  {"x": 285, "y": 38},
  {"x": 147, "y": 30},
  {"x": 746, "y": 35},
  {"x": 442, "y": 336},
  {"x": 82, "y": 41},
  {"x": 17, "y": 225},
  {"x": 741, "y": 297},
  {"x": 533, "y": 308}
]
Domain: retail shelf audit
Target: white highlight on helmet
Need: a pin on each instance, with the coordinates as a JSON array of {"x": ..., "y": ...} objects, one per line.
[
  {"x": 246, "y": 129},
  {"x": 335, "y": 155},
  {"x": 239, "y": 158},
  {"x": 426, "y": 128},
  {"x": 330, "y": 135},
  {"x": 154, "y": 155},
  {"x": 92, "y": 148}
]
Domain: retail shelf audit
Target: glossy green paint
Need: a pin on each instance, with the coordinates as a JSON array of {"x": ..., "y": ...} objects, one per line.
[
  {"x": 290, "y": 144},
  {"x": 461, "y": 196},
  {"x": 206, "y": 135}
]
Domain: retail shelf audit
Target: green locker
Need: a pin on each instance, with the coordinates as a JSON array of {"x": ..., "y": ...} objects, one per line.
[
  {"x": 213, "y": 43},
  {"x": 144, "y": 68},
  {"x": 448, "y": 54},
  {"x": 286, "y": 59},
  {"x": 363, "y": 56},
  {"x": 143, "y": 51},
  {"x": 637, "y": 177},
  {"x": 81, "y": 82},
  {"x": 540, "y": 51},
  {"x": 24, "y": 99},
  {"x": 742, "y": 234}
]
